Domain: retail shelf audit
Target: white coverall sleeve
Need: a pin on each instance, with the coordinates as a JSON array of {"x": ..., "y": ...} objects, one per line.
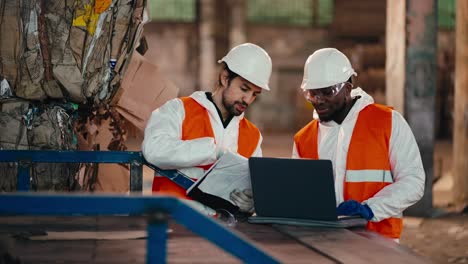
[
  {"x": 295, "y": 154},
  {"x": 258, "y": 150},
  {"x": 163, "y": 146},
  {"x": 407, "y": 171}
]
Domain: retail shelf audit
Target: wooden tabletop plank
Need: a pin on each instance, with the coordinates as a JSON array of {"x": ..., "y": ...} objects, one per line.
[
  {"x": 194, "y": 249},
  {"x": 386, "y": 242},
  {"x": 183, "y": 246},
  {"x": 120, "y": 251},
  {"x": 287, "y": 244},
  {"x": 54, "y": 251},
  {"x": 348, "y": 247},
  {"x": 278, "y": 245},
  {"x": 67, "y": 223}
]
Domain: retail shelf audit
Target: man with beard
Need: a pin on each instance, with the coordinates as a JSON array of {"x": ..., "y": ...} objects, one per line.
[
  {"x": 377, "y": 165},
  {"x": 190, "y": 133}
]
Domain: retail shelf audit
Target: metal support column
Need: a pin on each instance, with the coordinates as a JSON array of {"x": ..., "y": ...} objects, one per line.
[
  {"x": 136, "y": 176},
  {"x": 157, "y": 238},
  {"x": 23, "y": 180}
]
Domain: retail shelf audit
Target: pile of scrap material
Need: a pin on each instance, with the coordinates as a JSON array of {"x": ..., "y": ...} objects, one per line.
[
  {"x": 29, "y": 125},
  {"x": 59, "y": 61},
  {"x": 72, "y": 50}
]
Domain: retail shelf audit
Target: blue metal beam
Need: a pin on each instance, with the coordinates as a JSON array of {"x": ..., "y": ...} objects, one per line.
[
  {"x": 51, "y": 204},
  {"x": 220, "y": 236},
  {"x": 157, "y": 237},
  {"x": 134, "y": 158},
  {"x": 37, "y": 204},
  {"x": 58, "y": 156},
  {"x": 93, "y": 204},
  {"x": 176, "y": 176}
]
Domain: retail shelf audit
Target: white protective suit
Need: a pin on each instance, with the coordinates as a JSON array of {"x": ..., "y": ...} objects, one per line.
[
  {"x": 405, "y": 160},
  {"x": 163, "y": 146}
]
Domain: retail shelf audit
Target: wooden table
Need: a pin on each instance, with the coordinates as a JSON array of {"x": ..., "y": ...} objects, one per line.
[{"x": 288, "y": 244}]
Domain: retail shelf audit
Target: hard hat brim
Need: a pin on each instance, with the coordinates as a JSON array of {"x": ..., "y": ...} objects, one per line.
[
  {"x": 307, "y": 86},
  {"x": 247, "y": 78}
]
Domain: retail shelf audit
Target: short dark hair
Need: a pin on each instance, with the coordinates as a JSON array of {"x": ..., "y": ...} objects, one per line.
[{"x": 231, "y": 74}]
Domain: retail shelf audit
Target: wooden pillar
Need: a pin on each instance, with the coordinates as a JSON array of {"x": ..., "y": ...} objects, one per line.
[
  {"x": 238, "y": 18},
  {"x": 222, "y": 28},
  {"x": 460, "y": 137},
  {"x": 411, "y": 43},
  {"x": 395, "y": 59},
  {"x": 420, "y": 82},
  {"x": 207, "y": 62}
]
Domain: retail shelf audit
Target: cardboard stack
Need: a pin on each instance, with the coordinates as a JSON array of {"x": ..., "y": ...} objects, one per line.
[{"x": 144, "y": 88}]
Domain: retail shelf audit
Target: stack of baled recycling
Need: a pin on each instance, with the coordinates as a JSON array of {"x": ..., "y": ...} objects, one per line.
[{"x": 56, "y": 57}]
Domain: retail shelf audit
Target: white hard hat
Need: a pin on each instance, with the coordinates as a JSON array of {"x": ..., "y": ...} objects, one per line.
[
  {"x": 326, "y": 67},
  {"x": 251, "y": 62}
]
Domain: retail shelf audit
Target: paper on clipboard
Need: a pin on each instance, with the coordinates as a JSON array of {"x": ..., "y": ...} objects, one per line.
[{"x": 229, "y": 173}]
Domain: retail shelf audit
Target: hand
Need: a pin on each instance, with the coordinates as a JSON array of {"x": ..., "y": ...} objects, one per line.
[
  {"x": 352, "y": 207},
  {"x": 243, "y": 199},
  {"x": 201, "y": 207}
]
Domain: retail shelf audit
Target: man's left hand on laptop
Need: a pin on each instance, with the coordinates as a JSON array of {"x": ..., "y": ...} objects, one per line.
[
  {"x": 352, "y": 207},
  {"x": 200, "y": 207},
  {"x": 243, "y": 199}
]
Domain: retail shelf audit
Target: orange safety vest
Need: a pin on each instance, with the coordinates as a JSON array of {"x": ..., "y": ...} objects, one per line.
[
  {"x": 367, "y": 165},
  {"x": 197, "y": 124}
]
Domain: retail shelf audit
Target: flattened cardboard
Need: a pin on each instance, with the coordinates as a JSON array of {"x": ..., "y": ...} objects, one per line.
[{"x": 144, "y": 88}]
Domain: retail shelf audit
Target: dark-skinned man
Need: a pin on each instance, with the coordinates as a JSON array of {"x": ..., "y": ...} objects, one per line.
[{"x": 377, "y": 165}]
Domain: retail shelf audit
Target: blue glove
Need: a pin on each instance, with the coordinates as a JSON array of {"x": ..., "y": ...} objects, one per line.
[{"x": 353, "y": 207}]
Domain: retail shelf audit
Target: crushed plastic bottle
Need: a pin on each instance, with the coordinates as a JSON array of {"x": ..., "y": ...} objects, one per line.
[{"x": 5, "y": 90}]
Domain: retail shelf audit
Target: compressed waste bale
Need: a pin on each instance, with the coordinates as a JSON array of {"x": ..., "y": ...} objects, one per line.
[{"x": 72, "y": 50}]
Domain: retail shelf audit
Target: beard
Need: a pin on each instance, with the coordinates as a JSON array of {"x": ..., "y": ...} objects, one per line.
[
  {"x": 333, "y": 114},
  {"x": 326, "y": 118},
  {"x": 231, "y": 107}
]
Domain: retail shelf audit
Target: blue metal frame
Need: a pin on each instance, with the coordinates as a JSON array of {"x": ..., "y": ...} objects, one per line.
[
  {"x": 65, "y": 156},
  {"x": 176, "y": 176},
  {"x": 25, "y": 159},
  {"x": 156, "y": 207},
  {"x": 156, "y": 242}
]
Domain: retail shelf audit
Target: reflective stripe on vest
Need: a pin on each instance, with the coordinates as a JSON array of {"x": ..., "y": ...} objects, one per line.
[
  {"x": 367, "y": 164},
  {"x": 197, "y": 124},
  {"x": 369, "y": 176}
]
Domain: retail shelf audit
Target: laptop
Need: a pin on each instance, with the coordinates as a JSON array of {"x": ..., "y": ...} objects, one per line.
[{"x": 297, "y": 192}]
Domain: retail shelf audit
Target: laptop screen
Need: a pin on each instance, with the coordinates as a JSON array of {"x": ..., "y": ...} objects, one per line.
[{"x": 293, "y": 188}]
